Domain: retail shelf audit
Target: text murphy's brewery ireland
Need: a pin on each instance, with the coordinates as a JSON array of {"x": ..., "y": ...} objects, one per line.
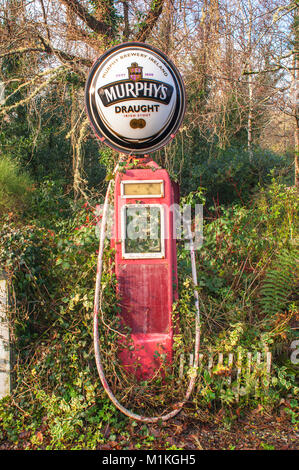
[{"x": 134, "y": 98}]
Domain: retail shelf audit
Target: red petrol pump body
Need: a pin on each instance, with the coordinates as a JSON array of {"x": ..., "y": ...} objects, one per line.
[{"x": 146, "y": 265}]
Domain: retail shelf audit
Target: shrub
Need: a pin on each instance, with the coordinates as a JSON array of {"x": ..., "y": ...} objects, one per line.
[
  {"x": 53, "y": 273},
  {"x": 230, "y": 175}
]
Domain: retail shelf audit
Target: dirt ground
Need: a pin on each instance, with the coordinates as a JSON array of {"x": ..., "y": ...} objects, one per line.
[{"x": 253, "y": 431}]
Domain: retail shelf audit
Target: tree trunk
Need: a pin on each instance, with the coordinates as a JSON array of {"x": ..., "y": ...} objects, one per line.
[
  {"x": 250, "y": 84},
  {"x": 295, "y": 99}
]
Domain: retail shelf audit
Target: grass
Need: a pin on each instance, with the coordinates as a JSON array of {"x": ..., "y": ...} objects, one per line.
[{"x": 16, "y": 187}]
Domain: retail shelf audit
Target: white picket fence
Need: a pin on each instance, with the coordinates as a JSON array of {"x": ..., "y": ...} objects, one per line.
[{"x": 232, "y": 368}]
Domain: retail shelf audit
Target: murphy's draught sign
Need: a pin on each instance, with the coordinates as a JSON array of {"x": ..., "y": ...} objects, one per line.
[{"x": 135, "y": 98}]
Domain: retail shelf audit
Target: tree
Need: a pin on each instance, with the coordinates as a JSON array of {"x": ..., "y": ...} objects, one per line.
[
  {"x": 284, "y": 59},
  {"x": 57, "y": 41},
  {"x": 232, "y": 55}
]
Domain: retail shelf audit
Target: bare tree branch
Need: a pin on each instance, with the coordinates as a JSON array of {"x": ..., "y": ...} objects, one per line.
[
  {"x": 150, "y": 21},
  {"x": 97, "y": 26},
  {"x": 48, "y": 50},
  {"x": 45, "y": 19}
]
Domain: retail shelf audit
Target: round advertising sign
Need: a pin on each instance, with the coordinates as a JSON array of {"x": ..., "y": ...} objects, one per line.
[{"x": 135, "y": 98}]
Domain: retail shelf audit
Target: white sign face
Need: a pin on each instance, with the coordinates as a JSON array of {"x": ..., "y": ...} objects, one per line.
[{"x": 135, "y": 98}]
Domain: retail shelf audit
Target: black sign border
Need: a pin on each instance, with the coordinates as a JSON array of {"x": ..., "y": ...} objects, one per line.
[{"x": 103, "y": 133}]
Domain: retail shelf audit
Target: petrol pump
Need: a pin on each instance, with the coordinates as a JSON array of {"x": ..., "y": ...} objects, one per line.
[
  {"x": 135, "y": 101},
  {"x": 146, "y": 265}
]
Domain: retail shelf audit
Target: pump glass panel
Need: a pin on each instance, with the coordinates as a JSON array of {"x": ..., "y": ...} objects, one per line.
[
  {"x": 142, "y": 231},
  {"x": 146, "y": 189}
]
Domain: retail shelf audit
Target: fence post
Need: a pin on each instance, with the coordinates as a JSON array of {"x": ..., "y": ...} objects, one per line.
[
  {"x": 5, "y": 379},
  {"x": 230, "y": 365},
  {"x": 181, "y": 369}
]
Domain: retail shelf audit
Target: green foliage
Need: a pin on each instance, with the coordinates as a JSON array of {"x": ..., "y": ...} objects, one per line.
[
  {"x": 245, "y": 250},
  {"x": 50, "y": 207},
  {"x": 246, "y": 266},
  {"x": 16, "y": 187},
  {"x": 230, "y": 175},
  {"x": 35, "y": 134},
  {"x": 278, "y": 206},
  {"x": 233, "y": 174},
  {"x": 52, "y": 266},
  {"x": 280, "y": 282}
]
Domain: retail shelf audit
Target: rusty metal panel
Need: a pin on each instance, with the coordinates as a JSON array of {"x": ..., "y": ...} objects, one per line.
[{"x": 144, "y": 297}]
